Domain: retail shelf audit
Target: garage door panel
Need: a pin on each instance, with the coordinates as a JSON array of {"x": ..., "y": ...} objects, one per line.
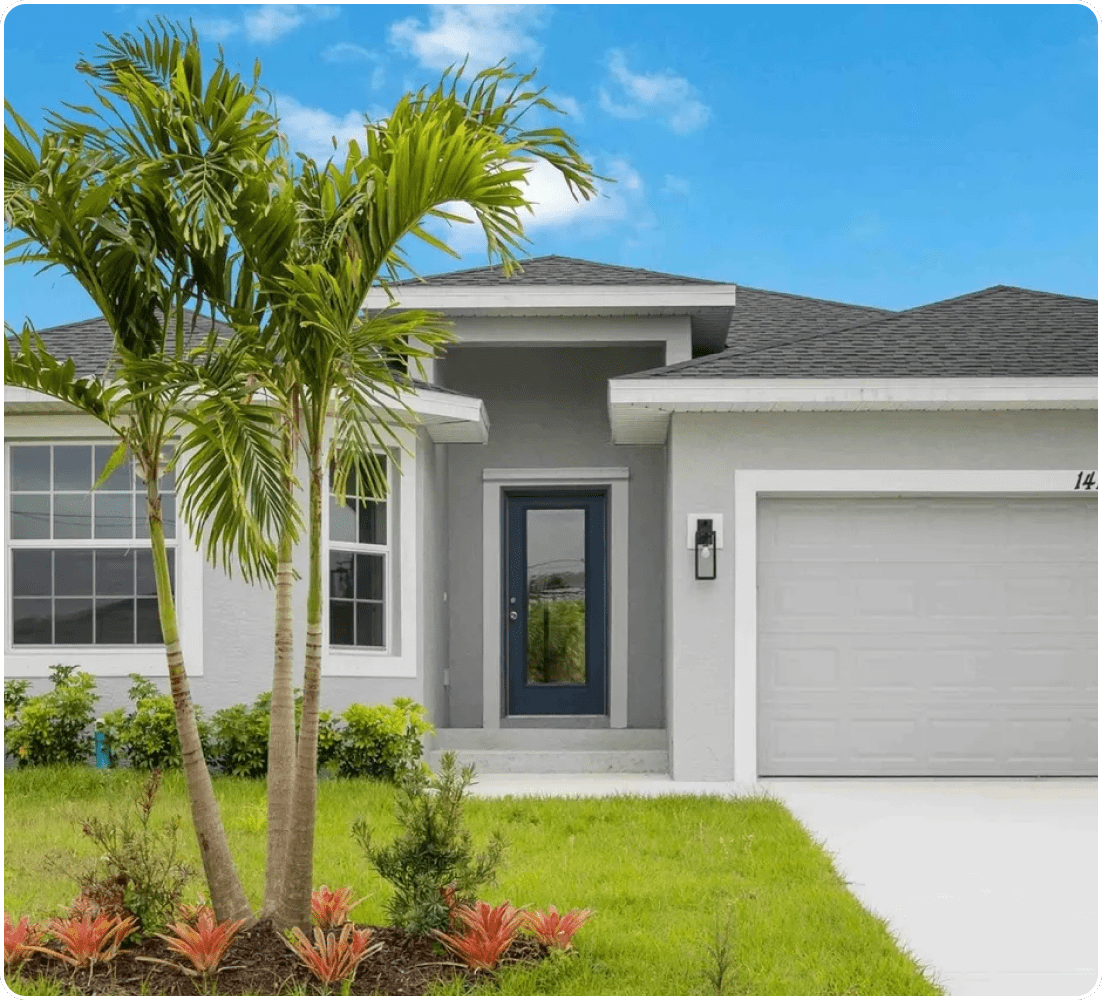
[{"x": 982, "y": 662}]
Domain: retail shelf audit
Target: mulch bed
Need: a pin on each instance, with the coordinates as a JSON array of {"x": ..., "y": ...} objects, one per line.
[{"x": 259, "y": 963}]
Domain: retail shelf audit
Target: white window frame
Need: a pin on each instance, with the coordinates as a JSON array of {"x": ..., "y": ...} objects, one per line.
[
  {"x": 366, "y": 548},
  {"x": 399, "y": 657},
  {"x": 100, "y": 661}
]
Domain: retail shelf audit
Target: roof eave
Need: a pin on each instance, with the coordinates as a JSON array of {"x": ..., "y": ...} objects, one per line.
[
  {"x": 640, "y": 409},
  {"x": 709, "y": 307}
]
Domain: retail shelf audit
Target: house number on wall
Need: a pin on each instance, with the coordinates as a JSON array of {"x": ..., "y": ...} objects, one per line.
[{"x": 1086, "y": 481}]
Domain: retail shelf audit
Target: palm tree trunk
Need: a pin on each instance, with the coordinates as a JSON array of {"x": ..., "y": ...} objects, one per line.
[
  {"x": 226, "y": 894},
  {"x": 281, "y": 732},
  {"x": 298, "y": 873}
]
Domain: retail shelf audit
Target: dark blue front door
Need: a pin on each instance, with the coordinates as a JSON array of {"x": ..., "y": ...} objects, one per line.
[{"x": 556, "y": 638}]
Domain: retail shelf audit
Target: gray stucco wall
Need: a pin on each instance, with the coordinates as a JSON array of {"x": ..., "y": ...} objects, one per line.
[
  {"x": 706, "y": 450},
  {"x": 548, "y": 408}
]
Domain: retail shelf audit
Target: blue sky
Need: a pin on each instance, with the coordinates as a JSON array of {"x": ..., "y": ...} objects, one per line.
[{"x": 889, "y": 155}]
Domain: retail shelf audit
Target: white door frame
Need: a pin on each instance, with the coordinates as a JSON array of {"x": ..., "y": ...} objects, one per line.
[{"x": 753, "y": 484}]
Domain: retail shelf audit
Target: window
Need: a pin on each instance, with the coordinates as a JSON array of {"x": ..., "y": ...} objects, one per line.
[
  {"x": 359, "y": 556},
  {"x": 81, "y": 570}
]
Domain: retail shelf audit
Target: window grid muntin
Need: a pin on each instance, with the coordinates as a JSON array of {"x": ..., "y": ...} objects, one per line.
[
  {"x": 138, "y": 541},
  {"x": 341, "y": 547}
]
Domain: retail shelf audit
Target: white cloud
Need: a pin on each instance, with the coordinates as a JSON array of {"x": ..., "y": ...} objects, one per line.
[
  {"x": 485, "y": 33},
  {"x": 269, "y": 22},
  {"x": 348, "y": 52},
  {"x": 553, "y": 206},
  {"x": 311, "y": 130},
  {"x": 664, "y": 94},
  {"x": 215, "y": 29},
  {"x": 672, "y": 184}
]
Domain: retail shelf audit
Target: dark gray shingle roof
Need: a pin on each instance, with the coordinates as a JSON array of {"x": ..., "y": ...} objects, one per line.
[
  {"x": 89, "y": 342},
  {"x": 762, "y": 318},
  {"x": 1000, "y": 331},
  {"x": 556, "y": 270}
]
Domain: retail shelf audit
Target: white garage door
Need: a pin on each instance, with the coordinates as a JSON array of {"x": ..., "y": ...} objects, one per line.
[{"x": 927, "y": 636}]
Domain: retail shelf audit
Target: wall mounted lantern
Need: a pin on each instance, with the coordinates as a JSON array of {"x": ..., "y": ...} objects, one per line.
[{"x": 705, "y": 549}]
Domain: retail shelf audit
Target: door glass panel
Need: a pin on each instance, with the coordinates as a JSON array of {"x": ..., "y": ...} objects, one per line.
[{"x": 556, "y": 596}]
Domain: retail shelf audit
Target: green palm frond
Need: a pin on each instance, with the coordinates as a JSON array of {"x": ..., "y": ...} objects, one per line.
[{"x": 31, "y": 366}]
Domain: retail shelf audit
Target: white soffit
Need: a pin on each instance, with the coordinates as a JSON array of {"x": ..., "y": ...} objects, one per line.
[
  {"x": 552, "y": 300},
  {"x": 639, "y": 409}
]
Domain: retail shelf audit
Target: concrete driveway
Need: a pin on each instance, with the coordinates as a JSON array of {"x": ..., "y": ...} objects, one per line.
[{"x": 992, "y": 884}]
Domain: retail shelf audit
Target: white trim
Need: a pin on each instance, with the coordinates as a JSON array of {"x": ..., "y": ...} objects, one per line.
[
  {"x": 551, "y": 299},
  {"x": 540, "y": 477},
  {"x": 495, "y": 481},
  {"x": 449, "y": 418},
  {"x": 399, "y": 659},
  {"x": 674, "y": 332},
  {"x": 104, "y": 661},
  {"x": 639, "y": 409},
  {"x": 750, "y": 485}
]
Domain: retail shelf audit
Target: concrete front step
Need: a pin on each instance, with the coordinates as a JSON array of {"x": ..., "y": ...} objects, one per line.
[
  {"x": 511, "y": 750},
  {"x": 560, "y": 761}
]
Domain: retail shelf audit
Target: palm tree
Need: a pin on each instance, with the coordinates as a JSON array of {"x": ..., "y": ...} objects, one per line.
[
  {"x": 131, "y": 198},
  {"x": 327, "y": 236}
]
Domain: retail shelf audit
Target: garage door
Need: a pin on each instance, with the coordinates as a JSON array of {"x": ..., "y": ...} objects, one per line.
[{"x": 927, "y": 636}]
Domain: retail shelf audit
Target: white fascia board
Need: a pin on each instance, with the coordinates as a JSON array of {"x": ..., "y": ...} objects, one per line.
[
  {"x": 698, "y": 393},
  {"x": 551, "y": 299},
  {"x": 450, "y": 419},
  {"x": 639, "y": 409}
]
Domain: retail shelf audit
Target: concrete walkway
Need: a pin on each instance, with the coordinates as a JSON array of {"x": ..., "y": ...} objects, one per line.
[{"x": 991, "y": 884}]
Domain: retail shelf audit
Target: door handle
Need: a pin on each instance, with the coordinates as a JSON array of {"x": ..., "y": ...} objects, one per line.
[{"x": 512, "y": 616}]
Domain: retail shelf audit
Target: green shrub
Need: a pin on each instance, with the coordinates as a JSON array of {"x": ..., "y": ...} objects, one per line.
[
  {"x": 16, "y": 694},
  {"x": 51, "y": 728},
  {"x": 329, "y": 739},
  {"x": 146, "y": 738},
  {"x": 139, "y": 868},
  {"x": 381, "y": 741},
  {"x": 432, "y": 865},
  {"x": 240, "y": 738}
]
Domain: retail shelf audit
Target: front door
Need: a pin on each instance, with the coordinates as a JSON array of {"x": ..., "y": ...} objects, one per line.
[{"x": 556, "y": 638}]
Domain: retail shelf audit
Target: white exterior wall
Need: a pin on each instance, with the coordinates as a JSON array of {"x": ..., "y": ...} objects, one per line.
[{"x": 707, "y": 451}]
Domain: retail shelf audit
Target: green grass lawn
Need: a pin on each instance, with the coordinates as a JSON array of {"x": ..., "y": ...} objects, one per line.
[{"x": 665, "y": 877}]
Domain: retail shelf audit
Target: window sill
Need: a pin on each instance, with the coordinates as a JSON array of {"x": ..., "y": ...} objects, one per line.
[{"x": 347, "y": 662}]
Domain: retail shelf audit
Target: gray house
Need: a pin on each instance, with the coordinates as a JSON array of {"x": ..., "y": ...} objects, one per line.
[{"x": 657, "y": 523}]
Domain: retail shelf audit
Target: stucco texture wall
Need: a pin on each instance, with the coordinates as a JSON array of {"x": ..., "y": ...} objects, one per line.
[
  {"x": 548, "y": 408},
  {"x": 706, "y": 450}
]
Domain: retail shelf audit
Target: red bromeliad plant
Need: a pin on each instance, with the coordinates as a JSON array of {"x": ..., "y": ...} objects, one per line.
[
  {"x": 19, "y": 940},
  {"x": 487, "y": 933},
  {"x": 89, "y": 939},
  {"x": 190, "y": 915},
  {"x": 331, "y": 907},
  {"x": 204, "y": 943},
  {"x": 332, "y": 959},
  {"x": 555, "y": 929}
]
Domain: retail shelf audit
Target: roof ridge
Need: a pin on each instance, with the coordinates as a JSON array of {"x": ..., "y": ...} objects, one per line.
[{"x": 522, "y": 263}]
